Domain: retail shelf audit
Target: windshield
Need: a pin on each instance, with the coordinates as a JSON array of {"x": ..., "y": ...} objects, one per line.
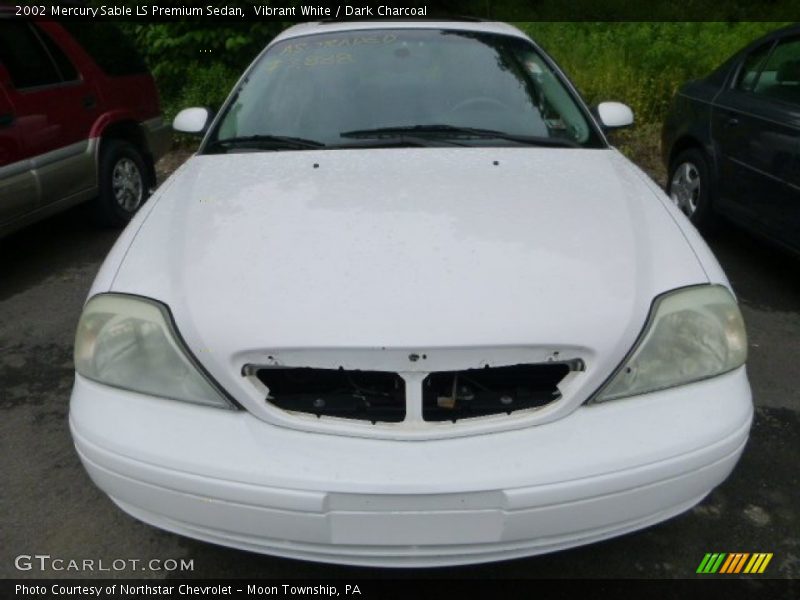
[{"x": 348, "y": 88}]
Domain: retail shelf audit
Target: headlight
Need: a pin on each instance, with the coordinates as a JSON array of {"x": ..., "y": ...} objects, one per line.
[
  {"x": 691, "y": 334},
  {"x": 130, "y": 343}
]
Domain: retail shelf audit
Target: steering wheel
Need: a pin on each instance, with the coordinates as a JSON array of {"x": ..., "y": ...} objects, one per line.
[{"x": 477, "y": 101}]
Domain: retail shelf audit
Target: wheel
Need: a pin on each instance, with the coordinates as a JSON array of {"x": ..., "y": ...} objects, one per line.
[
  {"x": 691, "y": 188},
  {"x": 123, "y": 183}
]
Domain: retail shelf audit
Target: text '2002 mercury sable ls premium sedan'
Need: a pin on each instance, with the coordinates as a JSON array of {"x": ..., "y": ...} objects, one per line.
[{"x": 406, "y": 306}]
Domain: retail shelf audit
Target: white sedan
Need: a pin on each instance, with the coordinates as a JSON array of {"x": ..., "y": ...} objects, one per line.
[{"x": 406, "y": 306}]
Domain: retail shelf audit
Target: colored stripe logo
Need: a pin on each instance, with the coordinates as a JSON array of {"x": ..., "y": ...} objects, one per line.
[{"x": 734, "y": 562}]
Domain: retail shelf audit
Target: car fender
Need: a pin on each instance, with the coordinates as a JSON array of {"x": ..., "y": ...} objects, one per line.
[
  {"x": 105, "y": 120},
  {"x": 689, "y": 121}
]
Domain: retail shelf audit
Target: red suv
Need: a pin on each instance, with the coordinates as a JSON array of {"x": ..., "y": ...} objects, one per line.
[{"x": 79, "y": 121}]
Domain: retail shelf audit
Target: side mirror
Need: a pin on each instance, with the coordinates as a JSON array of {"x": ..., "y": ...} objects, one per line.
[
  {"x": 192, "y": 120},
  {"x": 615, "y": 115}
]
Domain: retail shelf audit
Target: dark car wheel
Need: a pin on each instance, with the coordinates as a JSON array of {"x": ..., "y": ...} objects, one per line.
[
  {"x": 123, "y": 183},
  {"x": 690, "y": 187}
]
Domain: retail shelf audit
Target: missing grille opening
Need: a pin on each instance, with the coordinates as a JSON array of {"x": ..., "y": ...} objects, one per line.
[
  {"x": 366, "y": 395},
  {"x": 454, "y": 395}
]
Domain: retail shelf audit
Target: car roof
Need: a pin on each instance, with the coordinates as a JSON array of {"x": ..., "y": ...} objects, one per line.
[{"x": 302, "y": 29}]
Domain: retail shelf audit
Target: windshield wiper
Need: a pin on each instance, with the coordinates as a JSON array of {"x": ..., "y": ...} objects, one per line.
[
  {"x": 267, "y": 142},
  {"x": 452, "y": 131},
  {"x": 398, "y": 140}
]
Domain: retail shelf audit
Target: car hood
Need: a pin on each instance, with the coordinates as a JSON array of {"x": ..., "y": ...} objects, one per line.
[{"x": 562, "y": 249}]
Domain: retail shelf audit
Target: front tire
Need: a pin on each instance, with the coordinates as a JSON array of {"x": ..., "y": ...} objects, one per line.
[
  {"x": 123, "y": 183},
  {"x": 691, "y": 188}
]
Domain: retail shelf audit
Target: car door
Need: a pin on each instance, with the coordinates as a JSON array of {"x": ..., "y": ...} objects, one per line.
[
  {"x": 18, "y": 191},
  {"x": 9, "y": 144},
  {"x": 755, "y": 126},
  {"x": 779, "y": 82},
  {"x": 54, "y": 110}
]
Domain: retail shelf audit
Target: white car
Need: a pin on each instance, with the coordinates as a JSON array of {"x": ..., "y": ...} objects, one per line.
[{"x": 406, "y": 306}]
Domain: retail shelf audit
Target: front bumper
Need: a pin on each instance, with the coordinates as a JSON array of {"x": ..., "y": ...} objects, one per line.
[{"x": 232, "y": 479}]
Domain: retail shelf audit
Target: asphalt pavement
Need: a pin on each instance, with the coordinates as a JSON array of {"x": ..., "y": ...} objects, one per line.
[{"x": 48, "y": 505}]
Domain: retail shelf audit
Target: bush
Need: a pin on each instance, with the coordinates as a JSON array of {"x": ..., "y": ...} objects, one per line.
[
  {"x": 203, "y": 85},
  {"x": 198, "y": 64}
]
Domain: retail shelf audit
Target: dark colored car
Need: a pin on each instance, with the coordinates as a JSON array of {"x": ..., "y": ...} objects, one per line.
[
  {"x": 79, "y": 121},
  {"x": 731, "y": 141}
]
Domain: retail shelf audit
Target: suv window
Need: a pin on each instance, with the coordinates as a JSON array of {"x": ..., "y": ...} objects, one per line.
[
  {"x": 780, "y": 77},
  {"x": 24, "y": 57},
  {"x": 108, "y": 46},
  {"x": 748, "y": 74},
  {"x": 65, "y": 66}
]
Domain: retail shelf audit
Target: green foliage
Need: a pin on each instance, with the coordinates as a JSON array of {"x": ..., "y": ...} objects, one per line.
[
  {"x": 198, "y": 63},
  {"x": 205, "y": 85},
  {"x": 641, "y": 64}
]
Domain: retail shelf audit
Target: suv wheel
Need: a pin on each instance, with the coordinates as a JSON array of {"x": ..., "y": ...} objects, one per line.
[
  {"x": 123, "y": 183},
  {"x": 690, "y": 187}
]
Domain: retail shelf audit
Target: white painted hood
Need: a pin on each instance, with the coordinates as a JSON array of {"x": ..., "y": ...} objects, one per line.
[{"x": 408, "y": 248}]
